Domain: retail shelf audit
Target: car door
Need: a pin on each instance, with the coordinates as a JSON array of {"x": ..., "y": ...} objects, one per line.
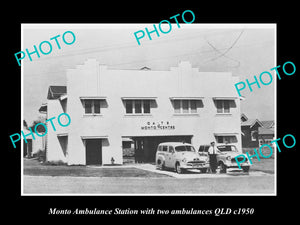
[
  {"x": 166, "y": 155},
  {"x": 172, "y": 156},
  {"x": 203, "y": 150},
  {"x": 206, "y": 150}
]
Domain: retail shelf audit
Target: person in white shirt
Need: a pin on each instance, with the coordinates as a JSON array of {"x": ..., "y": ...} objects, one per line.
[{"x": 212, "y": 152}]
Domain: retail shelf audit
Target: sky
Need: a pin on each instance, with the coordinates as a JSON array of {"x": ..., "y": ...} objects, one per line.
[{"x": 244, "y": 50}]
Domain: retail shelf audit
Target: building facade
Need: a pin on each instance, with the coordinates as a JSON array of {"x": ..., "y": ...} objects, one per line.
[
  {"x": 266, "y": 132},
  {"x": 255, "y": 132},
  {"x": 108, "y": 107}
]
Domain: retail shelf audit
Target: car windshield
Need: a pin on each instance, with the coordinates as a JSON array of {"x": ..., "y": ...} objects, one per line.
[
  {"x": 227, "y": 148},
  {"x": 184, "y": 148}
]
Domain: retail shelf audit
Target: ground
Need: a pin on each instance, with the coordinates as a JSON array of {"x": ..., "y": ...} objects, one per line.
[
  {"x": 144, "y": 179},
  {"x": 34, "y": 168}
]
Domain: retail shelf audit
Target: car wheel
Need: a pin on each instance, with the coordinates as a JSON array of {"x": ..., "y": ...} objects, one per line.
[
  {"x": 178, "y": 169},
  {"x": 204, "y": 170},
  {"x": 246, "y": 168},
  {"x": 163, "y": 167},
  {"x": 160, "y": 164},
  {"x": 223, "y": 168}
]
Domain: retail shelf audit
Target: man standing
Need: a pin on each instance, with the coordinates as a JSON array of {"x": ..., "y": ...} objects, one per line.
[{"x": 212, "y": 152}]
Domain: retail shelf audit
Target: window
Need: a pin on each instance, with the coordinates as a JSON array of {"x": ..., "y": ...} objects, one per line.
[
  {"x": 88, "y": 106},
  {"x": 254, "y": 135},
  {"x": 97, "y": 106},
  {"x": 226, "y": 139},
  {"x": 193, "y": 106},
  {"x": 146, "y": 106},
  {"x": 184, "y": 148},
  {"x": 227, "y": 148},
  {"x": 177, "y": 106},
  {"x": 185, "y": 106},
  {"x": 165, "y": 148},
  {"x": 129, "y": 106},
  {"x": 171, "y": 149},
  {"x": 92, "y": 106},
  {"x": 137, "y": 106},
  {"x": 223, "y": 106}
]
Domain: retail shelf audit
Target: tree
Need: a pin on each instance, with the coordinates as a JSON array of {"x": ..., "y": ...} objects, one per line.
[
  {"x": 25, "y": 124},
  {"x": 40, "y": 128}
]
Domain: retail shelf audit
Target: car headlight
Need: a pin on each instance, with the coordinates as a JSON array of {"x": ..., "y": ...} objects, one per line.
[
  {"x": 228, "y": 158},
  {"x": 184, "y": 160}
]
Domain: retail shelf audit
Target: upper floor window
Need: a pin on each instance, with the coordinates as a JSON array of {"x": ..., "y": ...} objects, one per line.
[
  {"x": 223, "y": 106},
  {"x": 92, "y": 106},
  {"x": 185, "y": 106},
  {"x": 137, "y": 106},
  {"x": 226, "y": 139}
]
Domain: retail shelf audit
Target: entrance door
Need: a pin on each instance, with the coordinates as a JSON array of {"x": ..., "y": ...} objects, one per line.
[{"x": 93, "y": 151}]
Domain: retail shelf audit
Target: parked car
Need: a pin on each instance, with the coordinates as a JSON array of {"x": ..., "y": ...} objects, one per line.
[
  {"x": 180, "y": 156},
  {"x": 226, "y": 157}
]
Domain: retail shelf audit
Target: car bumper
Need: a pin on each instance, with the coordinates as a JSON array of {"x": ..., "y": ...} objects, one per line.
[
  {"x": 195, "y": 165},
  {"x": 235, "y": 165}
]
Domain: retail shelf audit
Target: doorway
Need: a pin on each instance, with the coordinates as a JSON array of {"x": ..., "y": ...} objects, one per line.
[
  {"x": 145, "y": 147},
  {"x": 93, "y": 151}
]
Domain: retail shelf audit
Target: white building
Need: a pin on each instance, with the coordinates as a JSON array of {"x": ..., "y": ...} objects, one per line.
[{"x": 149, "y": 107}]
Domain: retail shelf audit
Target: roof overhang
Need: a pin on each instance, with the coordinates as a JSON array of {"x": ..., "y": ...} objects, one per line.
[
  {"x": 226, "y": 134},
  {"x": 63, "y": 97},
  {"x": 246, "y": 123},
  {"x": 43, "y": 108},
  {"x": 94, "y": 137},
  {"x": 155, "y": 135},
  {"x": 186, "y": 98},
  {"x": 225, "y": 98},
  {"x": 92, "y": 97},
  {"x": 127, "y": 139},
  {"x": 139, "y": 98}
]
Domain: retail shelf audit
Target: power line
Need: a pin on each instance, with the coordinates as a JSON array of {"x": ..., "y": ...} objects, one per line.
[
  {"x": 124, "y": 46},
  {"x": 227, "y": 50}
]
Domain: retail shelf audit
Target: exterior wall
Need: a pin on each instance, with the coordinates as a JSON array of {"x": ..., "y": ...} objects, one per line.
[
  {"x": 265, "y": 139},
  {"x": 36, "y": 145},
  {"x": 92, "y": 79},
  {"x": 55, "y": 151},
  {"x": 246, "y": 139}
]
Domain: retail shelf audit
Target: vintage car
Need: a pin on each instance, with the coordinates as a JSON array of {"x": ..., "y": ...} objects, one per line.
[
  {"x": 180, "y": 156},
  {"x": 226, "y": 157}
]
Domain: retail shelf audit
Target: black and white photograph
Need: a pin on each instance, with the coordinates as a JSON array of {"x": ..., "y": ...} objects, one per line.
[
  {"x": 135, "y": 113},
  {"x": 108, "y": 112}
]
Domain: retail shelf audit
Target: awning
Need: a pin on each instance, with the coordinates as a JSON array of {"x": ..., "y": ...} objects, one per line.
[
  {"x": 225, "y": 98},
  {"x": 94, "y": 137},
  {"x": 93, "y": 97},
  {"x": 226, "y": 134},
  {"x": 63, "y": 97},
  {"x": 139, "y": 98},
  {"x": 186, "y": 98},
  {"x": 157, "y": 135},
  {"x": 127, "y": 139},
  {"x": 43, "y": 108}
]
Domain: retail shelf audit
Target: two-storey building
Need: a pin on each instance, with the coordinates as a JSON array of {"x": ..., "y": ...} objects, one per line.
[{"x": 108, "y": 106}]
